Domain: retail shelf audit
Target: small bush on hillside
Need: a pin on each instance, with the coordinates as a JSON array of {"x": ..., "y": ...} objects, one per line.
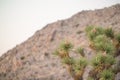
[
  {"x": 88, "y": 29},
  {"x": 110, "y": 60},
  {"x": 109, "y": 32},
  {"x": 79, "y": 68},
  {"x": 66, "y": 46},
  {"x": 105, "y": 60},
  {"x": 101, "y": 42},
  {"x": 107, "y": 75},
  {"x": 69, "y": 61},
  {"x": 80, "y": 50},
  {"x": 80, "y": 64},
  {"x": 118, "y": 37},
  {"x": 92, "y": 32}
]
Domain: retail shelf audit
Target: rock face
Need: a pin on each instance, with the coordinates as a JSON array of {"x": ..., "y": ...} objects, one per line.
[{"x": 33, "y": 59}]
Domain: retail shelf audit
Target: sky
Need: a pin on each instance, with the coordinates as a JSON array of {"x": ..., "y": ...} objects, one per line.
[{"x": 20, "y": 19}]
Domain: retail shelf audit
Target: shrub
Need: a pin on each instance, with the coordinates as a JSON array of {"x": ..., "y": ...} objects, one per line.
[
  {"x": 109, "y": 48},
  {"x": 69, "y": 61},
  {"x": 98, "y": 60},
  {"x": 117, "y": 36},
  {"x": 63, "y": 49},
  {"x": 92, "y": 32},
  {"x": 56, "y": 52},
  {"x": 110, "y": 60},
  {"x": 80, "y": 50},
  {"x": 105, "y": 60},
  {"x": 109, "y": 32},
  {"x": 88, "y": 29},
  {"x": 63, "y": 53},
  {"x": 101, "y": 42},
  {"x": 80, "y": 64},
  {"x": 107, "y": 75},
  {"x": 66, "y": 46},
  {"x": 79, "y": 67}
]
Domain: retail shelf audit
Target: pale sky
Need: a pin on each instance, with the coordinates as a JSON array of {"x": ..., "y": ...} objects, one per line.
[{"x": 19, "y": 19}]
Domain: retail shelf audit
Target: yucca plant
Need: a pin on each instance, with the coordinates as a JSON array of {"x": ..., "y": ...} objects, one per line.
[
  {"x": 78, "y": 75},
  {"x": 100, "y": 63},
  {"x": 79, "y": 68},
  {"x": 107, "y": 75},
  {"x": 109, "y": 48},
  {"x": 97, "y": 60},
  {"x": 66, "y": 46},
  {"x": 88, "y": 29},
  {"x": 82, "y": 62},
  {"x": 110, "y": 60},
  {"x": 68, "y": 61},
  {"x": 117, "y": 36},
  {"x": 63, "y": 49},
  {"x": 63, "y": 53},
  {"x": 105, "y": 60},
  {"x": 109, "y": 32},
  {"x": 101, "y": 42},
  {"x": 92, "y": 32},
  {"x": 80, "y": 50},
  {"x": 104, "y": 42}
]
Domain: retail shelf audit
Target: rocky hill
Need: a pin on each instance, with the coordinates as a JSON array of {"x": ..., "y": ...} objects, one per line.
[{"x": 33, "y": 59}]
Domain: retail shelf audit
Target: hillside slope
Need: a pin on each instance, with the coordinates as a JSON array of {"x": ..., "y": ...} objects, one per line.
[{"x": 33, "y": 59}]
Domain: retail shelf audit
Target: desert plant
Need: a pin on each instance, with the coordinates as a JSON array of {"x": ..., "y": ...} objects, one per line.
[
  {"x": 66, "y": 46},
  {"x": 109, "y": 48},
  {"x": 78, "y": 75},
  {"x": 80, "y": 50},
  {"x": 100, "y": 63},
  {"x": 105, "y": 60},
  {"x": 63, "y": 53},
  {"x": 107, "y": 75},
  {"x": 110, "y": 60},
  {"x": 117, "y": 36},
  {"x": 68, "y": 61},
  {"x": 56, "y": 52},
  {"x": 92, "y": 32},
  {"x": 88, "y": 29},
  {"x": 79, "y": 67},
  {"x": 109, "y": 32},
  {"x": 80, "y": 64},
  {"x": 63, "y": 49},
  {"x": 101, "y": 42}
]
